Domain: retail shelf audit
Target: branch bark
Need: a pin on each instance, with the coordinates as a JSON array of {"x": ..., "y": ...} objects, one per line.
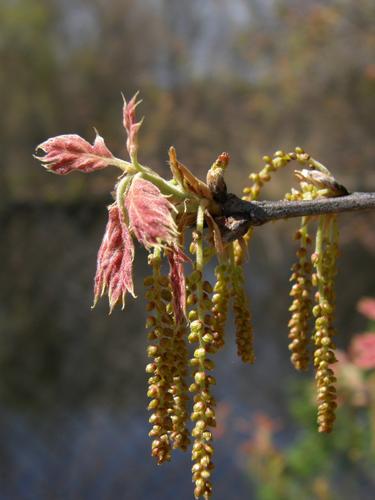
[{"x": 239, "y": 215}]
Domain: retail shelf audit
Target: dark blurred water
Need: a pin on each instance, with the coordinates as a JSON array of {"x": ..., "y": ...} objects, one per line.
[{"x": 73, "y": 419}]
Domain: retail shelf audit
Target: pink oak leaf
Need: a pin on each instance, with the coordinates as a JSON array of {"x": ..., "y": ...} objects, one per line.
[
  {"x": 131, "y": 126},
  {"x": 150, "y": 214},
  {"x": 362, "y": 351},
  {"x": 176, "y": 258},
  {"x": 68, "y": 153},
  {"x": 115, "y": 260}
]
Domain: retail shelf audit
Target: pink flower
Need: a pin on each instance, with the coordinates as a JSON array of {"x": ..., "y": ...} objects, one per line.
[
  {"x": 362, "y": 351},
  {"x": 115, "y": 260},
  {"x": 176, "y": 258},
  {"x": 66, "y": 153},
  {"x": 366, "y": 306},
  {"x": 132, "y": 127},
  {"x": 150, "y": 214}
]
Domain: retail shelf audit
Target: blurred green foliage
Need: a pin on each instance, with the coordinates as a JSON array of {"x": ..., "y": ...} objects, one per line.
[{"x": 319, "y": 466}]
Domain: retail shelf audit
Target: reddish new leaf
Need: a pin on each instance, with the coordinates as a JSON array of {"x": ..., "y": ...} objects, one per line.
[
  {"x": 115, "y": 260},
  {"x": 150, "y": 214},
  {"x": 132, "y": 127},
  {"x": 67, "y": 153},
  {"x": 176, "y": 258}
]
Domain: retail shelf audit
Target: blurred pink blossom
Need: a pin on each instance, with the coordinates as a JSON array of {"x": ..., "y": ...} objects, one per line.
[
  {"x": 362, "y": 350},
  {"x": 351, "y": 383},
  {"x": 262, "y": 429},
  {"x": 366, "y": 306},
  {"x": 223, "y": 413}
]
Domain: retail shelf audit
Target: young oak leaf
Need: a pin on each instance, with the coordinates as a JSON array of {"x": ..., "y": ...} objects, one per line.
[
  {"x": 115, "y": 260},
  {"x": 186, "y": 178},
  {"x": 69, "y": 152},
  {"x": 176, "y": 258},
  {"x": 150, "y": 214},
  {"x": 131, "y": 126}
]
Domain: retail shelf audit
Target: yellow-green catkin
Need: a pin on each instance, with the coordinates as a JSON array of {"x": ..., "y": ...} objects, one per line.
[
  {"x": 279, "y": 160},
  {"x": 271, "y": 164},
  {"x": 324, "y": 261},
  {"x": 220, "y": 299},
  {"x": 242, "y": 315},
  {"x": 301, "y": 305},
  {"x": 179, "y": 390},
  {"x": 161, "y": 368},
  {"x": 203, "y": 414}
]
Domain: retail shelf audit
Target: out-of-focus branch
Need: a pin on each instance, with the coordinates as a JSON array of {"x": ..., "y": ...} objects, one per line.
[{"x": 239, "y": 215}]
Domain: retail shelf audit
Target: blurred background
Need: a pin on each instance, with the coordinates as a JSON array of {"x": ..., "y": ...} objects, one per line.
[{"x": 244, "y": 76}]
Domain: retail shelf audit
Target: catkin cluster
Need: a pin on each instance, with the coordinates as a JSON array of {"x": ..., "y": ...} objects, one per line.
[
  {"x": 241, "y": 306},
  {"x": 203, "y": 415},
  {"x": 167, "y": 386},
  {"x": 157, "y": 212},
  {"x": 324, "y": 261},
  {"x": 179, "y": 390},
  {"x": 202, "y": 336},
  {"x": 301, "y": 305},
  {"x": 317, "y": 271},
  {"x": 220, "y": 300},
  {"x": 242, "y": 316}
]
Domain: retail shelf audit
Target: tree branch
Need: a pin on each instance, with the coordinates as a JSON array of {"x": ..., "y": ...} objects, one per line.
[{"x": 239, "y": 215}]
